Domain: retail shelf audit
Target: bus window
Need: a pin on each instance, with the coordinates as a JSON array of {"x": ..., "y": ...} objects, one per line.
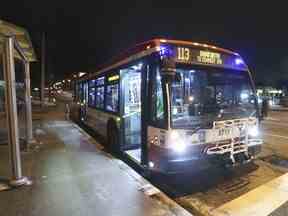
[
  {"x": 92, "y": 93},
  {"x": 112, "y": 97},
  {"x": 157, "y": 99},
  {"x": 99, "y": 102},
  {"x": 99, "y": 91}
]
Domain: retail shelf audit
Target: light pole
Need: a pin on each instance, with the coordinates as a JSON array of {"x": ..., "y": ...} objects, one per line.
[{"x": 43, "y": 63}]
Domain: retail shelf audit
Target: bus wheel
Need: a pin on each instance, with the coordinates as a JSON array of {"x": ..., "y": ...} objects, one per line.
[{"x": 113, "y": 139}]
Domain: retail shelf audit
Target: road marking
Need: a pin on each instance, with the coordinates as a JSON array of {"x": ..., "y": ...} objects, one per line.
[
  {"x": 275, "y": 135},
  {"x": 263, "y": 200}
]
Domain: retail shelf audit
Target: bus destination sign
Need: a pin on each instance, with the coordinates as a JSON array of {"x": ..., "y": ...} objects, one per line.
[
  {"x": 185, "y": 54},
  {"x": 209, "y": 57},
  {"x": 195, "y": 56}
]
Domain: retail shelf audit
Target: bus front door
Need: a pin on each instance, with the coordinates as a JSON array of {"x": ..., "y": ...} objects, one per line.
[{"x": 131, "y": 97}]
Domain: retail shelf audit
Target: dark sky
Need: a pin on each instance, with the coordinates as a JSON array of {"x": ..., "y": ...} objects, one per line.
[{"x": 83, "y": 35}]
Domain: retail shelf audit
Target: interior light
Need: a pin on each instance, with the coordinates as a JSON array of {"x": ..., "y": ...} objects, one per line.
[
  {"x": 163, "y": 40},
  {"x": 192, "y": 71},
  {"x": 196, "y": 44},
  {"x": 191, "y": 98}
]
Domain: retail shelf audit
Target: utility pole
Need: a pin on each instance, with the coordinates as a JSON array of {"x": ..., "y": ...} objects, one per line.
[{"x": 43, "y": 64}]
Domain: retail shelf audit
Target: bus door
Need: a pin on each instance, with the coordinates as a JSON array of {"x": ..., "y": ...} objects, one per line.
[{"x": 131, "y": 111}]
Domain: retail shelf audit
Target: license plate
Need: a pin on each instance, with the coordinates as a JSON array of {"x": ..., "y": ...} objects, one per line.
[
  {"x": 225, "y": 133},
  {"x": 221, "y": 134}
]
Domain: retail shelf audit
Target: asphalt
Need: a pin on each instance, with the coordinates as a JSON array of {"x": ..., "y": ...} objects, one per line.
[
  {"x": 274, "y": 130},
  {"x": 72, "y": 176}
]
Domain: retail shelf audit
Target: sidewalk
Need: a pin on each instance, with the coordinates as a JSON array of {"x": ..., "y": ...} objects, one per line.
[{"x": 72, "y": 176}]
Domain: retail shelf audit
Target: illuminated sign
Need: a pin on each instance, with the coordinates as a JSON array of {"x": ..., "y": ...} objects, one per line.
[
  {"x": 189, "y": 55},
  {"x": 209, "y": 57},
  {"x": 113, "y": 78},
  {"x": 185, "y": 54}
]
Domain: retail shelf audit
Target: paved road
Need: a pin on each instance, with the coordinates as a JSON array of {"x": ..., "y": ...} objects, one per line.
[{"x": 275, "y": 134}]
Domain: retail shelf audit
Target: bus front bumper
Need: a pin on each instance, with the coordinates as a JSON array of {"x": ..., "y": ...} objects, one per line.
[{"x": 193, "y": 160}]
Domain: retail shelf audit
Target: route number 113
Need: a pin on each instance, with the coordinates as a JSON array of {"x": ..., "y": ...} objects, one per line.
[{"x": 183, "y": 54}]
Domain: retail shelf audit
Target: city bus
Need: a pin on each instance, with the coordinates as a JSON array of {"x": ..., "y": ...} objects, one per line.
[{"x": 173, "y": 106}]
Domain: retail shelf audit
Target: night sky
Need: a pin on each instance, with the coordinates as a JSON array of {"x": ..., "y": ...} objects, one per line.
[{"x": 82, "y": 36}]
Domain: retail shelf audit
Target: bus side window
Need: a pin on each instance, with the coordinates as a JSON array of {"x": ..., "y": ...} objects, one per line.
[
  {"x": 112, "y": 96},
  {"x": 92, "y": 93},
  {"x": 99, "y": 92},
  {"x": 157, "y": 100}
]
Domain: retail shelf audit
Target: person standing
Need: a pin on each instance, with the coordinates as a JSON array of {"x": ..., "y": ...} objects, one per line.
[
  {"x": 67, "y": 112},
  {"x": 265, "y": 107}
]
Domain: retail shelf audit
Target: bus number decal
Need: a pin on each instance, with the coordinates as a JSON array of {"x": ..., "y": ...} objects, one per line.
[{"x": 183, "y": 54}]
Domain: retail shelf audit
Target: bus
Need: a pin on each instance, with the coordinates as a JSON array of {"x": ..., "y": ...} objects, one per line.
[{"x": 173, "y": 106}]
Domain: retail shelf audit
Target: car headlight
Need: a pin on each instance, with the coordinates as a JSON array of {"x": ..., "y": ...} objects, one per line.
[
  {"x": 176, "y": 142},
  {"x": 253, "y": 131}
]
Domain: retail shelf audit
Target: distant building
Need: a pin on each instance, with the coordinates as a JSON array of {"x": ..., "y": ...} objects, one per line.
[{"x": 273, "y": 94}]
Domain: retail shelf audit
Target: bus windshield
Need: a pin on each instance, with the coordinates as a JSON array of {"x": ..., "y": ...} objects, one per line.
[{"x": 201, "y": 96}]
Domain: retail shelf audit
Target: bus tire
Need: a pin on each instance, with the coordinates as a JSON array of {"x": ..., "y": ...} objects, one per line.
[
  {"x": 147, "y": 173},
  {"x": 113, "y": 144}
]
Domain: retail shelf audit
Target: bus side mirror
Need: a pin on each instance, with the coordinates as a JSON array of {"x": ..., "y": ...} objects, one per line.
[{"x": 168, "y": 69}]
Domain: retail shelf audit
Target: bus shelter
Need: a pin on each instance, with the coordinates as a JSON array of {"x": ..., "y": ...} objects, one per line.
[{"x": 16, "y": 53}]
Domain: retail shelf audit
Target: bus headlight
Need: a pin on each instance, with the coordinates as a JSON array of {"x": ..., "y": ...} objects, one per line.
[
  {"x": 179, "y": 146},
  {"x": 176, "y": 142},
  {"x": 253, "y": 131}
]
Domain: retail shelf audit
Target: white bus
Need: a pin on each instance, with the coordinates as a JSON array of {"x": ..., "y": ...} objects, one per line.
[{"x": 173, "y": 106}]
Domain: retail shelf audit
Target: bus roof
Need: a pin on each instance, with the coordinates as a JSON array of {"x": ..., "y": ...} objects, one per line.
[{"x": 149, "y": 47}]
